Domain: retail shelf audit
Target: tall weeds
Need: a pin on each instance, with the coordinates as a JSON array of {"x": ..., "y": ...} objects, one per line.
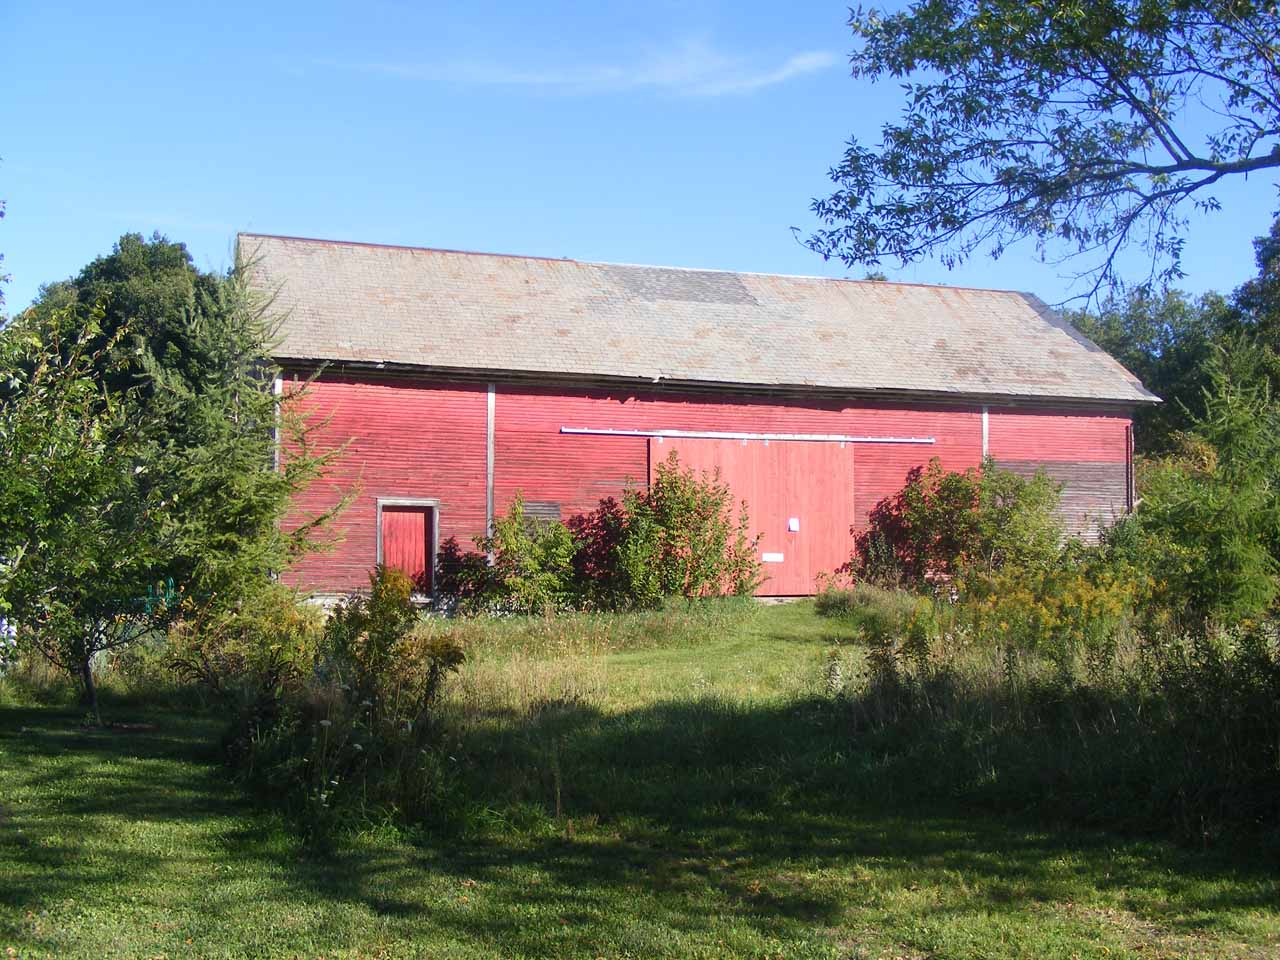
[{"x": 1162, "y": 734}]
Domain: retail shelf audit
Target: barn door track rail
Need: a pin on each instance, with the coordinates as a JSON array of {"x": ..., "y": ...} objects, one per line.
[{"x": 721, "y": 435}]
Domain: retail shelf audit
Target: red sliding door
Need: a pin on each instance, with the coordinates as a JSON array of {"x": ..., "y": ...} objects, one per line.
[{"x": 799, "y": 499}]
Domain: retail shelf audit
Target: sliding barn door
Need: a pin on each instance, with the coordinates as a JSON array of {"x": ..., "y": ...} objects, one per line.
[{"x": 799, "y": 499}]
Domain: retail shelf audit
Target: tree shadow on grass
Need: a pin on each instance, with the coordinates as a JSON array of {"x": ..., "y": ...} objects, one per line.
[
  {"x": 680, "y": 817},
  {"x": 773, "y": 784}
]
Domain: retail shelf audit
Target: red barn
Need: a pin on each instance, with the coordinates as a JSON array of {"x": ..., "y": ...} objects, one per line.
[{"x": 457, "y": 380}]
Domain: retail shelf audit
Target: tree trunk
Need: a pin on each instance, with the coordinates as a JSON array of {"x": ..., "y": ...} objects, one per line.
[{"x": 89, "y": 697}]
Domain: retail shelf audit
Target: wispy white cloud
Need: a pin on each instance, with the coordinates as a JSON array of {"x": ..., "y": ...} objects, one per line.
[{"x": 691, "y": 68}]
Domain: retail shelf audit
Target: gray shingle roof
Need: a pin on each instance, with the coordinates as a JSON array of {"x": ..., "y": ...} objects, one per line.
[{"x": 444, "y": 309}]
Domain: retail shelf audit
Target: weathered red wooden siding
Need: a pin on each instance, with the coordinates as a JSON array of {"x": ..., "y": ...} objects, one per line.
[
  {"x": 532, "y": 456},
  {"x": 427, "y": 439},
  {"x": 407, "y": 439},
  {"x": 1058, "y": 436},
  {"x": 1088, "y": 453}
]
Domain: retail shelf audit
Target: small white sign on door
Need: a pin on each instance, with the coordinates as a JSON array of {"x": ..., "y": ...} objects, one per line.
[
  {"x": 793, "y": 525},
  {"x": 771, "y": 557}
]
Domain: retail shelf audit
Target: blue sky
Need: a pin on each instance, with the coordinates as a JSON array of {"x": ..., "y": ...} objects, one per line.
[{"x": 691, "y": 133}]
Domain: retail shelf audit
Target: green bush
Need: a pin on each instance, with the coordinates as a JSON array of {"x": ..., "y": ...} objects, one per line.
[
  {"x": 943, "y": 521},
  {"x": 533, "y": 563},
  {"x": 1204, "y": 541},
  {"x": 1018, "y": 520},
  {"x": 679, "y": 537},
  {"x": 683, "y": 538},
  {"x": 138, "y": 422},
  {"x": 362, "y": 632},
  {"x": 258, "y": 651},
  {"x": 384, "y": 655},
  {"x": 339, "y": 728}
]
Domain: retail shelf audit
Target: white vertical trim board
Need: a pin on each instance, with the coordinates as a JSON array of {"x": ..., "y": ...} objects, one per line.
[
  {"x": 986, "y": 433},
  {"x": 277, "y": 388},
  {"x": 490, "y": 404}
]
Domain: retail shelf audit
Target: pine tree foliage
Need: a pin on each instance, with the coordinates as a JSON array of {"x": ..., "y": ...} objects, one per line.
[
  {"x": 161, "y": 487},
  {"x": 220, "y": 423},
  {"x": 1207, "y": 529}
]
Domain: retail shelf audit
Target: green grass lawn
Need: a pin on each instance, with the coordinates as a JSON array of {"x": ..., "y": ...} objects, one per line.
[{"x": 710, "y": 804}]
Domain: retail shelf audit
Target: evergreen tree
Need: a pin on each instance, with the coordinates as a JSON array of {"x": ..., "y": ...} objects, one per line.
[
  {"x": 1166, "y": 339},
  {"x": 181, "y": 486},
  {"x": 1207, "y": 529},
  {"x": 218, "y": 421}
]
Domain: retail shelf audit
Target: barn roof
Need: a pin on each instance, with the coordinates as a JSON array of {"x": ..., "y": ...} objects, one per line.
[{"x": 453, "y": 311}]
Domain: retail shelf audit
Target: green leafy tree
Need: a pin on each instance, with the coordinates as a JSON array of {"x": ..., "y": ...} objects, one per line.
[
  {"x": 1206, "y": 534},
  {"x": 151, "y": 302},
  {"x": 1167, "y": 340},
  {"x": 194, "y": 349},
  {"x": 80, "y": 533},
  {"x": 1083, "y": 127},
  {"x": 173, "y": 369}
]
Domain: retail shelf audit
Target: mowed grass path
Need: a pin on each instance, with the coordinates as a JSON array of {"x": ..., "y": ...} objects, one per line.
[{"x": 701, "y": 815}]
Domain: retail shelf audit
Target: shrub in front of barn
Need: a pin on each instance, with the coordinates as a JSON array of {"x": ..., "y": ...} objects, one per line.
[
  {"x": 681, "y": 536},
  {"x": 684, "y": 537},
  {"x": 526, "y": 566},
  {"x": 1134, "y": 683},
  {"x": 532, "y": 569},
  {"x": 942, "y": 522},
  {"x": 332, "y": 719}
]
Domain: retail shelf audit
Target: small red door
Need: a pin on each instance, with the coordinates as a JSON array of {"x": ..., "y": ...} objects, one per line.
[{"x": 406, "y": 542}]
